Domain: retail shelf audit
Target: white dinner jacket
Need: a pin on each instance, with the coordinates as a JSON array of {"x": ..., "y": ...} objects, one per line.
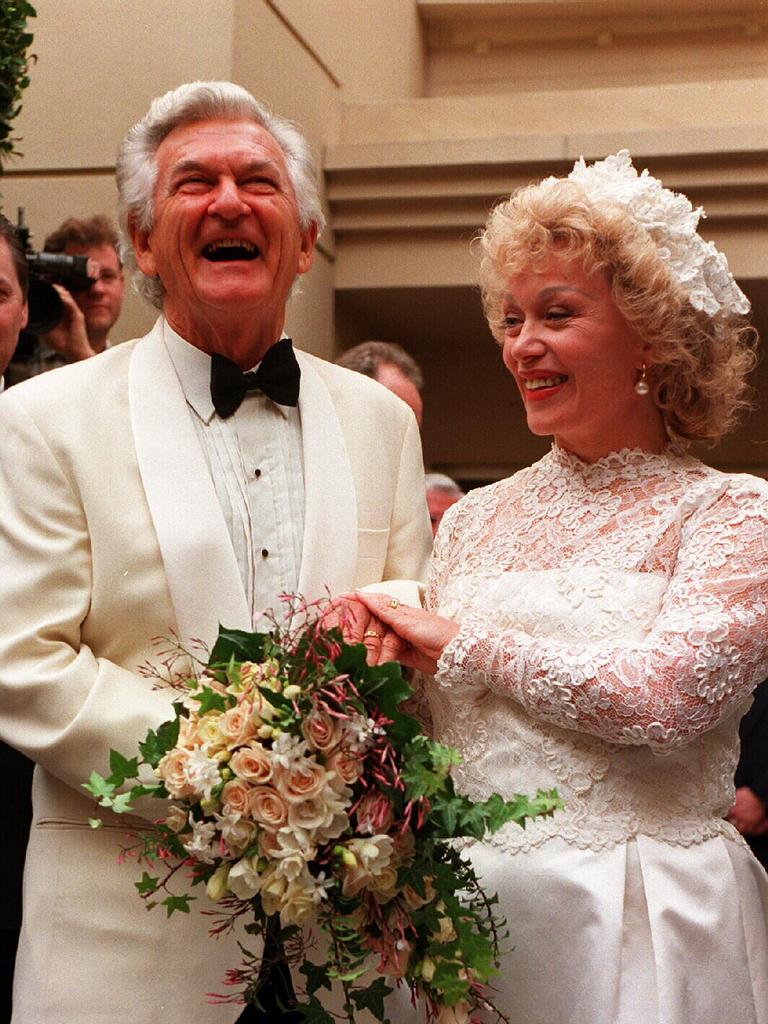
[{"x": 110, "y": 535}]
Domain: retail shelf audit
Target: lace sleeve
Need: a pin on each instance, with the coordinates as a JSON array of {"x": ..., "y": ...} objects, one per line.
[{"x": 707, "y": 649}]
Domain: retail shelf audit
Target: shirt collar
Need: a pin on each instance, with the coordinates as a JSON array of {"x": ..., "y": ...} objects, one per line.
[{"x": 193, "y": 368}]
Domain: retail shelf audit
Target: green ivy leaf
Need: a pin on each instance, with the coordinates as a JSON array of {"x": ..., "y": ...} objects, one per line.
[
  {"x": 210, "y": 700},
  {"x": 316, "y": 975},
  {"x": 122, "y": 768},
  {"x": 100, "y": 787},
  {"x": 174, "y": 903},
  {"x": 121, "y": 804},
  {"x": 148, "y": 884},
  {"x": 160, "y": 742},
  {"x": 237, "y": 644},
  {"x": 372, "y": 998}
]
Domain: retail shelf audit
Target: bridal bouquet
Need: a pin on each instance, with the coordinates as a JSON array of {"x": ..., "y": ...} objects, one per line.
[{"x": 303, "y": 796}]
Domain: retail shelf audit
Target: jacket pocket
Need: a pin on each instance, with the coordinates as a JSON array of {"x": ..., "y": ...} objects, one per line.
[{"x": 371, "y": 555}]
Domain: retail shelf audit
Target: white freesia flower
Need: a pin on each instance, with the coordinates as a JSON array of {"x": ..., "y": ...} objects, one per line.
[
  {"x": 672, "y": 222},
  {"x": 201, "y": 844},
  {"x": 292, "y": 849},
  {"x": 288, "y": 751},
  {"x": 374, "y": 853},
  {"x": 360, "y": 732},
  {"x": 203, "y": 771}
]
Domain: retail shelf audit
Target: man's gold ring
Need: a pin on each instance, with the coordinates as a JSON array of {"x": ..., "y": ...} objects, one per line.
[
  {"x": 372, "y": 633},
  {"x": 394, "y": 603}
]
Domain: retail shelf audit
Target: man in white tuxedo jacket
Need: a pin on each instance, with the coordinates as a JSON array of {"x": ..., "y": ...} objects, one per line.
[{"x": 136, "y": 501}]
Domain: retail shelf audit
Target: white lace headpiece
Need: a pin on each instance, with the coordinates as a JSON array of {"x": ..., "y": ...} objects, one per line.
[{"x": 672, "y": 222}]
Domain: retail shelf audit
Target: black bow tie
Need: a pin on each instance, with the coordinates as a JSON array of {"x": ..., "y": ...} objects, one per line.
[{"x": 278, "y": 377}]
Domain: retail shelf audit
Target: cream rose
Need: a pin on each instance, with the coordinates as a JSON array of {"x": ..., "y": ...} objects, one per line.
[
  {"x": 208, "y": 731},
  {"x": 272, "y": 889},
  {"x": 252, "y": 764},
  {"x": 298, "y": 902},
  {"x": 187, "y": 733},
  {"x": 244, "y": 879},
  {"x": 235, "y": 797},
  {"x": 348, "y": 766},
  {"x": 303, "y": 781},
  {"x": 310, "y": 814},
  {"x": 237, "y": 833},
  {"x": 172, "y": 769},
  {"x": 237, "y": 725},
  {"x": 384, "y": 885},
  {"x": 321, "y": 730},
  {"x": 374, "y": 814},
  {"x": 267, "y": 807},
  {"x": 176, "y": 819}
]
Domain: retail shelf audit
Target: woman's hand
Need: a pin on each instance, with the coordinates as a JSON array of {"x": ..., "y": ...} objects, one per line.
[
  {"x": 357, "y": 623},
  {"x": 413, "y": 637}
]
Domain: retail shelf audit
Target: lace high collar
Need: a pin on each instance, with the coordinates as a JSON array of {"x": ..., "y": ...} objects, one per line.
[{"x": 627, "y": 463}]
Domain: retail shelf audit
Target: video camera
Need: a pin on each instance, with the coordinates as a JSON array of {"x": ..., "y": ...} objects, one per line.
[{"x": 75, "y": 273}]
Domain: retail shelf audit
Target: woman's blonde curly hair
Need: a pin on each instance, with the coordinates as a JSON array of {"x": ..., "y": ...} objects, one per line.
[{"x": 698, "y": 364}]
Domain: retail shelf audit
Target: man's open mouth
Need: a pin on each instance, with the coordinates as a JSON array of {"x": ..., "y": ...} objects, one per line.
[{"x": 230, "y": 249}]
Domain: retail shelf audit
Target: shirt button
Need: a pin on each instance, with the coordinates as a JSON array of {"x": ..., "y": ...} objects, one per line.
[
  {"x": 264, "y": 553},
  {"x": 257, "y": 473}
]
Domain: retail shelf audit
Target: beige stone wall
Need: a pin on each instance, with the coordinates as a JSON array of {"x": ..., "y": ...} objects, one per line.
[
  {"x": 423, "y": 113},
  {"x": 100, "y": 64}
]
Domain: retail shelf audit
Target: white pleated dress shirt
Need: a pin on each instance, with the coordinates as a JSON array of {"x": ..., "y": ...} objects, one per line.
[{"x": 257, "y": 468}]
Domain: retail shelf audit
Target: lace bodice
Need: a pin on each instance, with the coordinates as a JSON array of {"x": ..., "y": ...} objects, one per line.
[{"x": 614, "y": 621}]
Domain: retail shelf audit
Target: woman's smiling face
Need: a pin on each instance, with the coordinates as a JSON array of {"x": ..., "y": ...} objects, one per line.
[{"x": 575, "y": 360}]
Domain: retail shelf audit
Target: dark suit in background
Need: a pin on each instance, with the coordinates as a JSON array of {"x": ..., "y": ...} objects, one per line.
[
  {"x": 16, "y": 772},
  {"x": 753, "y": 763}
]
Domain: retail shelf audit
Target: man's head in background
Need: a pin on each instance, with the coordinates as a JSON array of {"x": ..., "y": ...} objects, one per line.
[
  {"x": 390, "y": 365},
  {"x": 100, "y": 304},
  {"x": 14, "y": 278},
  {"x": 442, "y": 492}
]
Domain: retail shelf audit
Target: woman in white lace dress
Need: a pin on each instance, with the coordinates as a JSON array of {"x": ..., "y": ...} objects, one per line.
[{"x": 598, "y": 621}]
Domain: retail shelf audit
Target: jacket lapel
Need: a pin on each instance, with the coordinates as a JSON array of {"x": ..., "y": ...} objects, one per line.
[
  {"x": 198, "y": 558},
  {"x": 329, "y": 553}
]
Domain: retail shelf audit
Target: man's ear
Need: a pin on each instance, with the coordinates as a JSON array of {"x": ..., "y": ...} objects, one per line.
[
  {"x": 141, "y": 247},
  {"x": 307, "y": 254}
]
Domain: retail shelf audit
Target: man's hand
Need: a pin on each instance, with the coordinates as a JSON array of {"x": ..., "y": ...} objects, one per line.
[
  {"x": 414, "y": 637},
  {"x": 748, "y": 813},
  {"x": 69, "y": 336}
]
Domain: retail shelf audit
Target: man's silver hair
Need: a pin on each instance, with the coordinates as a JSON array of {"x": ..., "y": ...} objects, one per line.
[
  {"x": 199, "y": 101},
  {"x": 441, "y": 482}
]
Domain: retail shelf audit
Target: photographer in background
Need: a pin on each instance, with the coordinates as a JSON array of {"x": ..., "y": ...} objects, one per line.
[
  {"x": 15, "y": 770},
  {"x": 89, "y": 313}
]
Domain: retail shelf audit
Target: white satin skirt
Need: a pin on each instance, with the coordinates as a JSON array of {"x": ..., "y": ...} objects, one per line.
[{"x": 642, "y": 933}]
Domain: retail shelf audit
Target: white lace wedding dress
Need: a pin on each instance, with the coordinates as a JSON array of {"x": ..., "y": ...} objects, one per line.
[{"x": 614, "y": 621}]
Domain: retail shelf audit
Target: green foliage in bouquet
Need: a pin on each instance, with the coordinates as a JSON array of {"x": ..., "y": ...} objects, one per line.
[
  {"x": 15, "y": 40},
  {"x": 305, "y": 796}
]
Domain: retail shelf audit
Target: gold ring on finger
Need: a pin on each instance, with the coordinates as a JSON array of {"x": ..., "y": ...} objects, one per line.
[
  {"x": 373, "y": 633},
  {"x": 394, "y": 603}
]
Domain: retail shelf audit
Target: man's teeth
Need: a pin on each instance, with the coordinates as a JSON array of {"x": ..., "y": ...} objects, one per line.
[
  {"x": 543, "y": 382},
  {"x": 231, "y": 248}
]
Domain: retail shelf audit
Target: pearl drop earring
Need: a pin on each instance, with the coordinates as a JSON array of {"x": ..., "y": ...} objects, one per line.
[{"x": 642, "y": 387}]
